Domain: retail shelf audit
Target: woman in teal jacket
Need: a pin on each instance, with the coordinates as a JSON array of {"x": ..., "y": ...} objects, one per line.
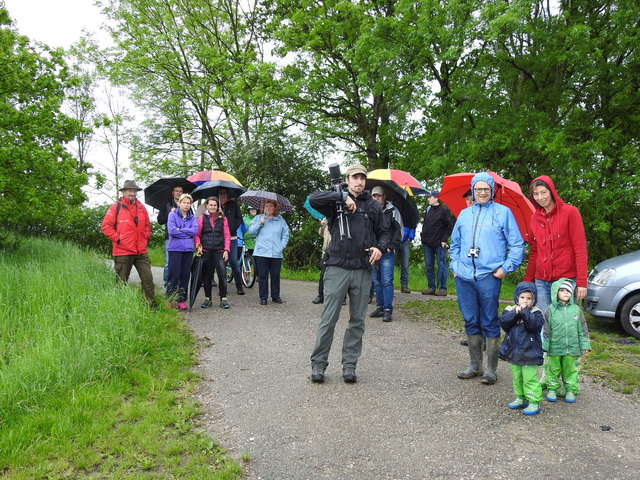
[{"x": 272, "y": 234}]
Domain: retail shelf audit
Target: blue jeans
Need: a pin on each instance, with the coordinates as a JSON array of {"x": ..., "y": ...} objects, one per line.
[
  {"x": 478, "y": 303},
  {"x": 383, "y": 280},
  {"x": 233, "y": 261},
  {"x": 441, "y": 255},
  {"x": 403, "y": 257}
]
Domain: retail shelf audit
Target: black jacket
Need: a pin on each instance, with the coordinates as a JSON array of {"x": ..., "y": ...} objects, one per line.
[
  {"x": 437, "y": 225},
  {"x": 367, "y": 226},
  {"x": 163, "y": 215},
  {"x": 394, "y": 221},
  {"x": 234, "y": 217}
]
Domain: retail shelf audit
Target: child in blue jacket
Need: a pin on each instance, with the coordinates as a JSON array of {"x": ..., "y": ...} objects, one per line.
[{"x": 522, "y": 347}]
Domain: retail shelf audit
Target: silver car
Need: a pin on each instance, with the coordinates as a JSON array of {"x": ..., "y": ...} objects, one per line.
[{"x": 613, "y": 291}]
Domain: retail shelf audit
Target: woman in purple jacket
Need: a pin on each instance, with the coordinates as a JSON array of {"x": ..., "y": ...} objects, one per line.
[{"x": 182, "y": 226}]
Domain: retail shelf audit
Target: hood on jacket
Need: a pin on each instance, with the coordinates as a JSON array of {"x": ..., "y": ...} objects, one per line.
[
  {"x": 526, "y": 287},
  {"x": 552, "y": 188},
  {"x": 555, "y": 286},
  {"x": 483, "y": 177}
]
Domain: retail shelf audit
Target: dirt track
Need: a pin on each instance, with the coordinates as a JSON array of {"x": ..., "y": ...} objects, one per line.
[{"x": 408, "y": 417}]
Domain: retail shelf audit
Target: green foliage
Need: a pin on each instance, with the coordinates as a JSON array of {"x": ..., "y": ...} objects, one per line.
[
  {"x": 93, "y": 383},
  {"x": 40, "y": 182}
]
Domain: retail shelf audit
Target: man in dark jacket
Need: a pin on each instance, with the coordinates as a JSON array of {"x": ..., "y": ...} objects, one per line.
[
  {"x": 126, "y": 223},
  {"x": 162, "y": 220},
  {"x": 234, "y": 219},
  {"x": 383, "y": 271},
  {"x": 436, "y": 229},
  {"x": 349, "y": 260}
]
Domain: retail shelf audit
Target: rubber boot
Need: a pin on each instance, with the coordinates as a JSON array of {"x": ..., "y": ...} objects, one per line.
[
  {"x": 491, "y": 376},
  {"x": 475, "y": 357}
]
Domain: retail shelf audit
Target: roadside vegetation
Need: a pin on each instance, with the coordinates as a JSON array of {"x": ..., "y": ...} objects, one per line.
[{"x": 93, "y": 383}]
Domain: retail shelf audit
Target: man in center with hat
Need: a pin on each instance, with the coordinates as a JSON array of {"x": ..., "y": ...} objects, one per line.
[
  {"x": 437, "y": 225},
  {"x": 348, "y": 268}
]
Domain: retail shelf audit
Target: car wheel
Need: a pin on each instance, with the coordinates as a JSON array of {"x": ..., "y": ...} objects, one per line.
[{"x": 630, "y": 315}]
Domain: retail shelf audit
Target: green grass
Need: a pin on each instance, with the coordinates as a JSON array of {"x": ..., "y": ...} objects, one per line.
[
  {"x": 612, "y": 359},
  {"x": 93, "y": 383}
]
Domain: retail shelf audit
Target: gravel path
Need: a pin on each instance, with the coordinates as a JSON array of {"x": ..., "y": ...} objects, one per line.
[{"x": 408, "y": 417}]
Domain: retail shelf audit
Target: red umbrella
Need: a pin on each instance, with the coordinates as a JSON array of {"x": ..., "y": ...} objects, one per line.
[
  {"x": 507, "y": 193},
  {"x": 209, "y": 175}
]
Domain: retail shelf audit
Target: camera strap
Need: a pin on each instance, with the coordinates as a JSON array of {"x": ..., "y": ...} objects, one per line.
[{"x": 476, "y": 230}]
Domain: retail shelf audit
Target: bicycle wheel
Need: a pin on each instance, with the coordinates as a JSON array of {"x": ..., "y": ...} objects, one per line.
[
  {"x": 229, "y": 272},
  {"x": 248, "y": 271}
]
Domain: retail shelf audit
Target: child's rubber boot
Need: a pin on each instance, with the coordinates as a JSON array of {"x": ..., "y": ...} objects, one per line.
[
  {"x": 570, "y": 397},
  {"x": 532, "y": 409},
  {"x": 551, "y": 396},
  {"x": 518, "y": 403}
]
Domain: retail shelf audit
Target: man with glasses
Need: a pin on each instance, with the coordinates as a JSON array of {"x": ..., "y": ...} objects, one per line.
[{"x": 486, "y": 245}]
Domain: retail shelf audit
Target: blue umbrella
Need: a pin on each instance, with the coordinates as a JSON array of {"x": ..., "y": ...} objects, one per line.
[{"x": 314, "y": 213}]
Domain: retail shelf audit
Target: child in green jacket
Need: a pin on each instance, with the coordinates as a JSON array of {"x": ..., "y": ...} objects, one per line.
[{"x": 566, "y": 337}]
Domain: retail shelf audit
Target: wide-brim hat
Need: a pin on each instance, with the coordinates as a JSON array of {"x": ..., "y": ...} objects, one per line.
[{"x": 130, "y": 185}]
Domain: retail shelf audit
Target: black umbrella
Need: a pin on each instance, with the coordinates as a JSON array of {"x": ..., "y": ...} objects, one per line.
[
  {"x": 256, "y": 198},
  {"x": 195, "y": 282},
  {"x": 212, "y": 188},
  {"x": 159, "y": 193},
  {"x": 400, "y": 199}
]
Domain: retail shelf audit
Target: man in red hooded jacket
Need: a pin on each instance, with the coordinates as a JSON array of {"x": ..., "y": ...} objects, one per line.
[
  {"x": 558, "y": 248},
  {"x": 126, "y": 223}
]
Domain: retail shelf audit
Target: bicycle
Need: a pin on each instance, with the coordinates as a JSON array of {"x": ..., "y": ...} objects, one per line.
[{"x": 247, "y": 268}]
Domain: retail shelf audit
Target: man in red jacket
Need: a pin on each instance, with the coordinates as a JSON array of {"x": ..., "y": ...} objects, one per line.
[{"x": 127, "y": 225}]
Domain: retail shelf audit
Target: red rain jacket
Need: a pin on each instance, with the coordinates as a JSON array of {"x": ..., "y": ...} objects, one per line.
[
  {"x": 559, "y": 246},
  {"x": 119, "y": 224}
]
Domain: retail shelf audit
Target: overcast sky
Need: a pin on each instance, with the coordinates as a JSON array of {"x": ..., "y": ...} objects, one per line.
[{"x": 58, "y": 23}]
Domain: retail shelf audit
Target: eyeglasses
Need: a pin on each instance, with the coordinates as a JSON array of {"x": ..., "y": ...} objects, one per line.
[{"x": 482, "y": 190}]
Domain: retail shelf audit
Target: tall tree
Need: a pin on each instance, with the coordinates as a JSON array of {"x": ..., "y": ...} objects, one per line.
[
  {"x": 197, "y": 66},
  {"x": 347, "y": 75},
  {"x": 40, "y": 182}
]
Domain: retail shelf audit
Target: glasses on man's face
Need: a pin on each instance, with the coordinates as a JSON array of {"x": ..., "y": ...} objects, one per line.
[{"x": 482, "y": 190}]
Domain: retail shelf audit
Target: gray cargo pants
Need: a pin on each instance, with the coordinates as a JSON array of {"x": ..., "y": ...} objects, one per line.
[{"x": 337, "y": 283}]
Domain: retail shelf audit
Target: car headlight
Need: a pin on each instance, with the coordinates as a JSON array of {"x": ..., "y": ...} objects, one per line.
[{"x": 601, "y": 278}]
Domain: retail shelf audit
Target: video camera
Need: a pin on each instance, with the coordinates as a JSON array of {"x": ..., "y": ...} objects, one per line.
[{"x": 338, "y": 185}]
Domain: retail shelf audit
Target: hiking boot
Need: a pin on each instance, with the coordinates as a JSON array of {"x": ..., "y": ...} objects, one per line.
[
  {"x": 551, "y": 396},
  {"x": 441, "y": 293},
  {"x": 318, "y": 300},
  {"x": 224, "y": 303},
  {"x": 518, "y": 403},
  {"x": 429, "y": 291},
  {"x": 207, "y": 303},
  {"x": 377, "y": 313},
  {"x": 532, "y": 409},
  {"x": 349, "y": 375},
  {"x": 387, "y": 315},
  {"x": 405, "y": 290},
  {"x": 570, "y": 397},
  {"x": 182, "y": 306},
  {"x": 317, "y": 374},
  {"x": 240, "y": 291}
]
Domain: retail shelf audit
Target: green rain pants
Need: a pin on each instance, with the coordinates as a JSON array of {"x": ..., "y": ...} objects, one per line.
[
  {"x": 526, "y": 384},
  {"x": 564, "y": 367}
]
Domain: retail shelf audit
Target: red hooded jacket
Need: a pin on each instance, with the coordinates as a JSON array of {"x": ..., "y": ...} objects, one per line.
[
  {"x": 128, "y": 237},
  {"x": 559, "y": 246}
]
